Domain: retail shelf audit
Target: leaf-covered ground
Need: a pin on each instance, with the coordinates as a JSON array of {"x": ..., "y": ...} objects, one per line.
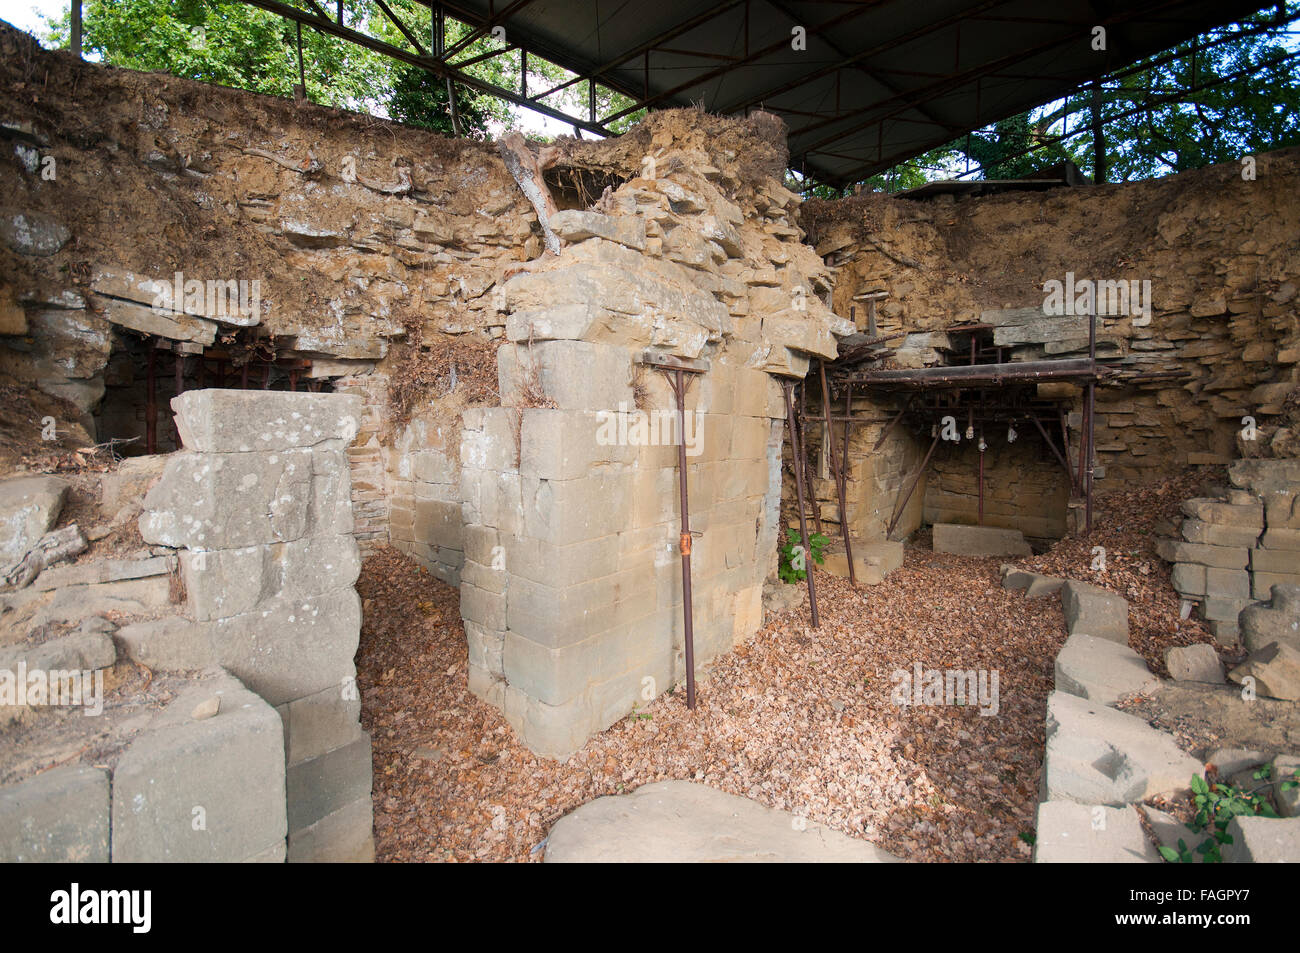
[{"x": 798, "y": 718}]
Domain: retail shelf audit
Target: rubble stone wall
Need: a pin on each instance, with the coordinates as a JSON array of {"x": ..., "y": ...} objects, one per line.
[{"x": 1223, "y": 329}]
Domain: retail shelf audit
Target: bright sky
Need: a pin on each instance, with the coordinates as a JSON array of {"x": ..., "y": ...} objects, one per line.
[{"x": 24, "y": 14}]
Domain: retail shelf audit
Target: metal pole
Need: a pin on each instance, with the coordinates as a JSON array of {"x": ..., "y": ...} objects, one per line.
[
  {"x": 981, "y": 511},
  {"x": 1092, "y": 391},
  {"x": 180, "y": 389},
  {"x": 74, "y": 38},
  {"x": 677, "y": 381},
  {"x": 912, "y": 488},
  {"x": 798, "y": 482},
  {"x": 837, "y": 471},
  {"x": 151, "y": 402}
]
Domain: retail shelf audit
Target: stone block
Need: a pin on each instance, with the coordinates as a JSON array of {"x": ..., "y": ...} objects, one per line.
[
  {"x": 561, "y": 512},
  {"x": 291, "y": 647},
  {"x": 553, "y": 675},
  {"x": 685, "y": 822},
  {"x": 1227, "y": 584},
  {"x": 1067, "y": 833},
  {"x": 568, "y": 445},
  {"x": 343, "y": 837},
  {"x": 29, "y": 508},
  {"x": 1035, "y": 585},
  {"x": 576, "y": 375},
  {"x": 1188, "y": 579},
  {"x": 1219, "y": 534},
  {"x": 318, "y": 724},
  {"x": 1275, "y": 561},
  {"x": 81, "y": 651},
  {"x": 167, "y": 644},
  {"x": 217, "y": 420},
  {"x": 60, "y": 816},
  {"x": 231, "y": 582},
  {"x": 1262, "y": 840},
  {"x": 128, "y": 597},
  {"x": 1275, "y": 669},
  {"x": 1275, "y": 621},
  {"x": 1248, "y": 516},
  {"x": 329, "y": 782},
  {"x": 1218, "y": 557},
  {"x": 439, "y": 523},
  {"x": 1100, "y": 670},
  {"x": 232, "y": 500},
  {"x": 1283, "y": 539},
  {"x": 226, "y": 771},
  {"x": 1092, "y": 610},
  {"x": 979, "y": 540},
  {"x": 1194, "y": 663},
  {"x": 487, "y": 440},
  {"x": 1096, "y": 755}
]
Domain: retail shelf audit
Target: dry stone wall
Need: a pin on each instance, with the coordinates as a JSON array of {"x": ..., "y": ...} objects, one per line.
[{"x": 1222, "y": 328}]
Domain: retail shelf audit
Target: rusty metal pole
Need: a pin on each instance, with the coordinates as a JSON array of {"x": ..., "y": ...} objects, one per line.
[
  {"x": 1092, "y": 409},
  {"x": 786, "y": 387},
  {"x": 911, "y": 488},
  {"x": 180, "y": 389},
  {"x": 981, "y": 511},
  {"x": 677, "y": 380},
  {"x": 151, "y": 402},
  {"x": 837, "y": 472}
]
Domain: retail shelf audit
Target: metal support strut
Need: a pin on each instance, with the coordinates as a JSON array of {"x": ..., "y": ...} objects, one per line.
[
  {"x": 678, "y": 382},
  {"x": 797, "y": 452}
]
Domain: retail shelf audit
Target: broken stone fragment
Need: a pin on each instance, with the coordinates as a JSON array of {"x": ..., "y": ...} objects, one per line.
[
  {"x": 1275, "y": 669},
  {"x": 1275, "y": 621},
  {"x": 1194, "y": 663},
  {"x": 29, "y": 507}
]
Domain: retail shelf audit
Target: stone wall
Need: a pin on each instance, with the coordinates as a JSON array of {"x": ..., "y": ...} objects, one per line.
[
  {"x": 571, "y": 588},
  {"x": 1223, "y": 331},
  {"x": 1025, "y": 487},
  {"x": 1233, "y": 549},
  {"x": 261, "y": 503}
]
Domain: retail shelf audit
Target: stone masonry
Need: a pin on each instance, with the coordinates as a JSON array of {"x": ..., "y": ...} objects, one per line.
[{"x": 261, "y": 502}]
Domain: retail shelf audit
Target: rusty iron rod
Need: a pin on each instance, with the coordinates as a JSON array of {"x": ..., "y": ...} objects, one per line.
[
  {"x": 1059, "y": 456},
  {"x": 912, "y": 488},
  {"x": 786, "y": 387},
  {"x": 837, "y": 471},
  {"x": 1092, "y": 410},
  {"x": 884, "y": 434},
  {"x": 677, "y": 381},
  {"x": 151, "y": 402},
  {"x": 981, "y": 510}
]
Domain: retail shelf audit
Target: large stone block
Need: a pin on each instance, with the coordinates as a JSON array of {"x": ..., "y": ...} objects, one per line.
[
  {"x": 168, "y": 644},
  {"x": 1194, "y": 663},
  {"x": 210, "y": 790},
  {"x": 320, "y": 723},
  {"x": 1219, "y": 557},
  {"x": 1096, "y": 755},
  {"x": 685, "y": 822},
  {"x": 1246, "y": 516},
  {"x": 231, "y": 582},
  {"x": 1263, "y": 840},
  {"x": 329, "y": 782},
  {"x": 1275, "y": 621},
  {"x": 1092, "y": 610},
  {"x": 1100, "y": 670},
  {"x": 561, "y": 512},
  {"x": 292, "y": 647},
  {"x": 568, "y": 445},
  {"x": 576, "y": 375},
  {"x": 1275, "y": 669},
  {"x": 60, "y": 816},
  {"x": 343, "y": 837},
  {"x": 979, "y": 540},
  {"x": 232, "y": 500},
  {"x": 1219, "y": 534},
  {"x": 1067, "y": 833},
  {"x": 29, "y": 507},
  {"x": 576, "y": 225},
  {"x": 233, "y": 421}
]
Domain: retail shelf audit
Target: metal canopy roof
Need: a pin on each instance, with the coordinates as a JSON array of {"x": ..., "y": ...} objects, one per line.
[{"x": 879, "y": 81}]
